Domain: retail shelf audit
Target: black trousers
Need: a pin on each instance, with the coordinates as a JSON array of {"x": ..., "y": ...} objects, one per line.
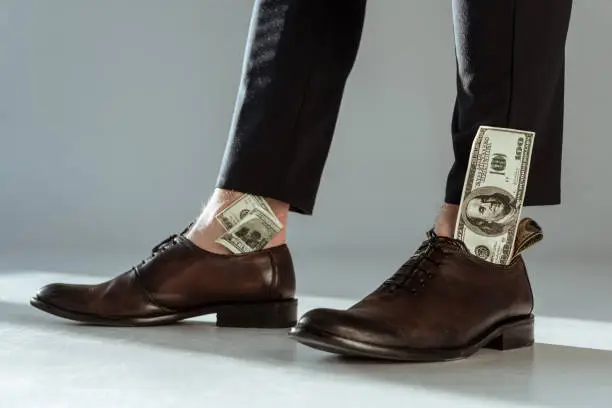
[{"x": 510, "y": 73}]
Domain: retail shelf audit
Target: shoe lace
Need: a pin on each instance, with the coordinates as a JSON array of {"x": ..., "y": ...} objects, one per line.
[
  {"x": 161, "y": 247},
  {"x": 421, "y": 266}
]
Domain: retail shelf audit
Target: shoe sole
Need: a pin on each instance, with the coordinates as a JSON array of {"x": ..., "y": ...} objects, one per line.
[
  {"x": 509, "y": 335},
  {"x": 264, "y": 315}
]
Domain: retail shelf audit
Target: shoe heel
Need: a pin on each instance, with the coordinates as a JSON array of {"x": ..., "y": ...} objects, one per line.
[
  {"x": 269, "y": 315},
  {"x": 517, "y": 336}
]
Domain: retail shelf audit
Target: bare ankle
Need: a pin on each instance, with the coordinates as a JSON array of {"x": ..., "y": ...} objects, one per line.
[
  {"x": 446, "y": 220},
  {"x": 207, "y": 229}
]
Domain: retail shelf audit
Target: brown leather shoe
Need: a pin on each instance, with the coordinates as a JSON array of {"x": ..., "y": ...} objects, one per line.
[
  {"x": 442, "y": 304},
  {"x": 180, "y": 280}
]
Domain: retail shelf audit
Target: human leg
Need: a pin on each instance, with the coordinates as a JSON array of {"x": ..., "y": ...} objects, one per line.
[
  {"x": 445, "y": 303},
  {"x": 298, "y": 57}
]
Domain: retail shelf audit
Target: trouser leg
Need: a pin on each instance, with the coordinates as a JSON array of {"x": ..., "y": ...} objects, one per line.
[
  {"x": 510, "y": 73},
  {"x": 298, "y": 57}
]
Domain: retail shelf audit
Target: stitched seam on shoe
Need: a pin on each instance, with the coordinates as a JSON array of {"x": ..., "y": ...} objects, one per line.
[
  {"x": 275, "y": 276},
  {"x": 148, "y": 295}
]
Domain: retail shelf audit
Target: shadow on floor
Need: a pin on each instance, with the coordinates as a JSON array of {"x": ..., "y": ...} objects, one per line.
[{"x": 548, "y": 375}]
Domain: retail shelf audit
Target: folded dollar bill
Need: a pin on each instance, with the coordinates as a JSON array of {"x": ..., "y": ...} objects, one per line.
[
  {"x": 251, "y": 233},
  {"x": 242, "y": 207}
]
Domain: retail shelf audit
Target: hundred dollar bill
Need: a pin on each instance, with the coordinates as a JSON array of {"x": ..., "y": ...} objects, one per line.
[
  {"x": 493, "y": 192},
  {"x": 252, "y": 233},
  {"x": 242, "y": 207}
]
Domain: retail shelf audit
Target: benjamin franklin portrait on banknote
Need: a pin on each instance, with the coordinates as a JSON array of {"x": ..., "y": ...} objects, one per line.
[{"x": 490, "y": 211}]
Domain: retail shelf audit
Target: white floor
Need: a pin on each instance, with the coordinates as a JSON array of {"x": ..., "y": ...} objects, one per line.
[{"x": 46, "y": 362}]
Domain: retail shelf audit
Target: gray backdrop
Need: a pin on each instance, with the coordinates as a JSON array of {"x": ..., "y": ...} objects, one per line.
[{"x": 114, "y": 116}]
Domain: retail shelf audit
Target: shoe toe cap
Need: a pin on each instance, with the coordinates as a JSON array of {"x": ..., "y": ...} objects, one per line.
[
  {"x": 68, "y": 297},
  {"x": 347, "y": 324}
]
